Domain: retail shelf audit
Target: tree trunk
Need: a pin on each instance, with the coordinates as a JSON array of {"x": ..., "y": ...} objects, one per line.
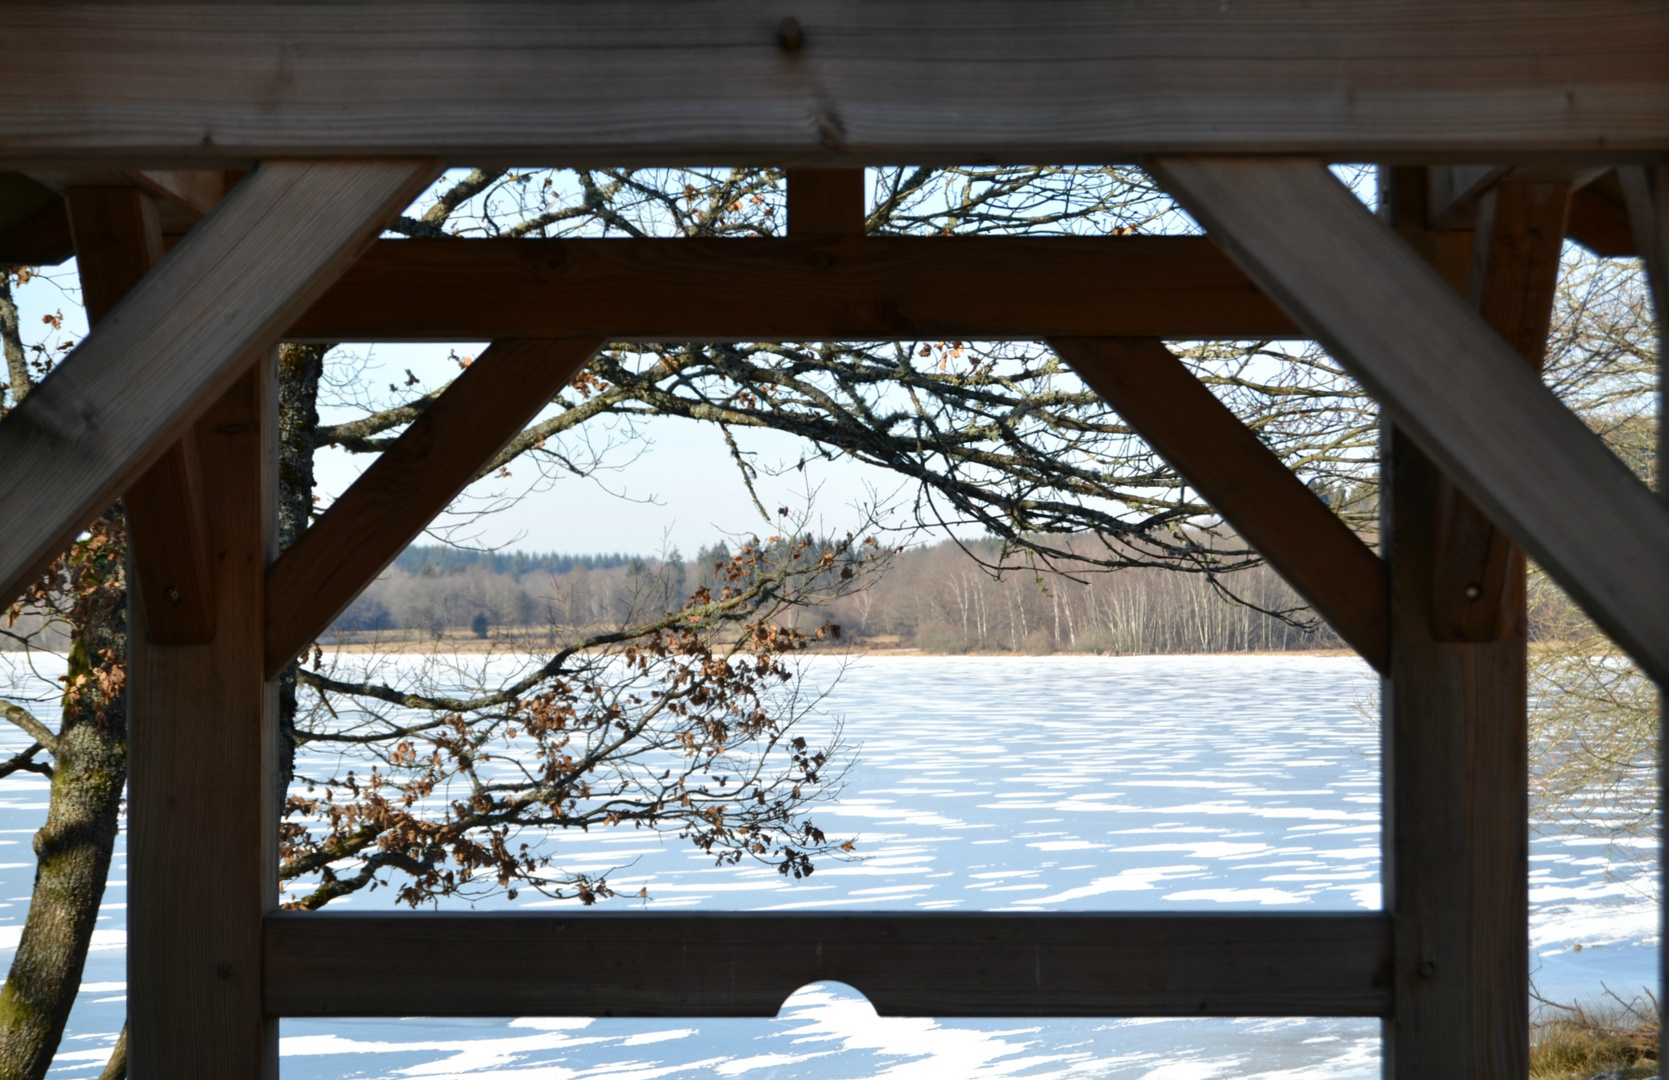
[{"x": 72, "y": 852}]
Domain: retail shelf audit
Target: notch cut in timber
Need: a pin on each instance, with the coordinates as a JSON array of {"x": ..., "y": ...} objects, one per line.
[
  {"x": 453, "y": 443},
  {"x": 1244, "y": 481},
  {"x": 118, "y": 239},
  {"x": 1448, "y": 380},
  {"x": 180, "y": 339},
  {"x": 747, "y": 963},
  {"x": 1477, "y": 572}
]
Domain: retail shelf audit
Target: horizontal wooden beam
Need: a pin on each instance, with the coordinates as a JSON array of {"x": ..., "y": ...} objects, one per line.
[
  {"x": 747, "y": 963},
  {"x": 875, "y": 288},
  {"x": 178, "y": 340},
  {"x": 1445, "y": 377},
  {"x": 395, "y": 499},
  {"x": 666, "y": 82},
  {"x": 1243, "y": 480}
]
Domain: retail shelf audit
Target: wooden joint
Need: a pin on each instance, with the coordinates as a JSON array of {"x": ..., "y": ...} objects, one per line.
[
  {"x": 1476, "y": 572},
  {"x": 118, "y": 238}
]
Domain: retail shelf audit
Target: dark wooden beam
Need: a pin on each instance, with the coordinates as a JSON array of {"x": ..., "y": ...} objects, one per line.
[
  {"x": 826, "y": 202},
  {"x": 876, "y": 288},
  {"x": 935, "y": 81},
  {"x": 1448, "y": 380},
  {"x": 202, "y": 797},
  {"x": 1477, "y": 594},
  {"x": 390, "y": 504},
  {"x": 118, "y": 238},
  {"x": 40, "y": 238},
  {"x": 747, "y": 963},
  {"x": 1599, "y": 219},
  {"x": 178, "y": 340},
  {"x": 1306, "y": 542}
]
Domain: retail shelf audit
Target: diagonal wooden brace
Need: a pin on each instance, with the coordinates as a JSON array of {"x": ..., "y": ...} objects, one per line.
[
  {"x": 434, "y": 459},
  {"x": 118, "y": 238},
  {"x": 178, "y": 340},
  {"x": 1444, "y": 376},
  {"x": 1243, "y": 479}
]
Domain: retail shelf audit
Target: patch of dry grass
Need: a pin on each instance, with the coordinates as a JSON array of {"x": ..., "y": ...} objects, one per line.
[{"x": 1574, "y": 1042}]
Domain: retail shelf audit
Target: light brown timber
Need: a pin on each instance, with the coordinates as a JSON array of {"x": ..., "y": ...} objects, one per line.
[
  {"x": 202, "y": 804},
  {"x": 874, "y": 288},
  {"x": 935, "y": 81},
  {"x": 413, "y": 480},
  {"x": 1449, "y": 381},
  {"x": 1455, "y": 773},
  {"x": 118, "y": 238},
  {"x": 747, "y": 963},
  {"x": 178, "y": 340},
  {"x": 1244, "y": 481}
]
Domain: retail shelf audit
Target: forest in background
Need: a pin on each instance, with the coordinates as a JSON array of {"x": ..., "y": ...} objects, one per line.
[{"x": 939, "y": 598}]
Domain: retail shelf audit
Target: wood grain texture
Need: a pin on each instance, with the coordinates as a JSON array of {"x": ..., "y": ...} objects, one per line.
[
  {"x": 1455, "y": 774},
  {"x": 1520, "y": 240},
  {"x": 1244, "y": 481},
  {"x": 433, "y": 460},
  {"x": 826, "y": 202},
  {"x": 178, "y": 340},
  {"x": 747, "y": 963},
  {"x": 875, "y": 288},
  {"x": 1599, "y": 219},
  {"x": 935, "y": 81},
  {"x": 1450, "y": 381},
  {"x": 118, "y": 239},
  {"x": 202, "y": 801}
]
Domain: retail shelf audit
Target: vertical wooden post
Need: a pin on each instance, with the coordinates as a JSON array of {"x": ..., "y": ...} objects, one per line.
[
  {"x": 825, "y": 202},
  {"x": 1456, "y": 815},
  {"x": 202, "y": 798}
]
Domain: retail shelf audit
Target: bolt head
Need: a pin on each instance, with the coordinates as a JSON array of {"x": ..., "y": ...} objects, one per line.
[
  {"x": 790, "y": 36},
  {"x": 173, "y": 593}
]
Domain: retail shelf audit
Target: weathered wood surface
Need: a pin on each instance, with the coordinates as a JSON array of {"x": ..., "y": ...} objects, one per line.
[
  {"x": 413, "y": 480},
  {"x": 875, "y": 288},
  {"x": 747, "y": 963},
  {"x": 1477, "y": 572},
  {"x": 118, "y": 238},
  {"x": 930, "y": 81},
  {"x": 202, "y": 802},
  {"x": 1456, "y": 814},
  {"x": 1448, "y": 380},
  {"x": 178, "y": 340},
  {"x": 1244, "y": 481}
]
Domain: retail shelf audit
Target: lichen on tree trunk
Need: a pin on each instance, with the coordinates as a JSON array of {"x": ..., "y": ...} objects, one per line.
[{"x": 74, "y": 847}]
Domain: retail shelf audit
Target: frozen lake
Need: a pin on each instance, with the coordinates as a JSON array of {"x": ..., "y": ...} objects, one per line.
[{"x": 1054, "y": 783}]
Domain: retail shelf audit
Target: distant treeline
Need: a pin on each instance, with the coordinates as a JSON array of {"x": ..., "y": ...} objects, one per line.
[
  {"x": 937, "y": 598},
  {"x": 450, "y": 560}
]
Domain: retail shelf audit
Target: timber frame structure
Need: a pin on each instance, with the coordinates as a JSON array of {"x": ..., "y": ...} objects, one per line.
[{"x": 1501, "y": 127}]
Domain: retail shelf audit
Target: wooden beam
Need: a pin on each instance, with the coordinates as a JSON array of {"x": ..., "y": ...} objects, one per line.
[
  {"x": 118, "y": 239},
  {"x": 202, "y": 796},
  {"x": 178, "y": 340},
  {"x": 1252, "y": 488},
  {"x": 1646, "y": 194},
  {"x": 826, "y": 202},
  {"x": 1477, "y": 594},
  {"x": 1454, "y": 191},
  {"x": 34, "y": 227},
  {"x": 747, "y": 963},
  {"x": 936, "y": 81},
  {"x": 431, "y": 462},
  {"x": 1599, "y": 219},
  {"x": 875, "y": 288},
  {"x": 1447, "y": 379},
  {"x": 182, "y": 197}
]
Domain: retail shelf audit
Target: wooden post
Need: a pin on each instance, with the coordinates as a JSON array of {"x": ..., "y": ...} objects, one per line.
[
  {"x": 1456, "y": 815},
  {"x": 202, "y": 807}
]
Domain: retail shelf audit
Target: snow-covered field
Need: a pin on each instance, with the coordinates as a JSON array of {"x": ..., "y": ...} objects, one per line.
[{"x": 1055, "y": 783}]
